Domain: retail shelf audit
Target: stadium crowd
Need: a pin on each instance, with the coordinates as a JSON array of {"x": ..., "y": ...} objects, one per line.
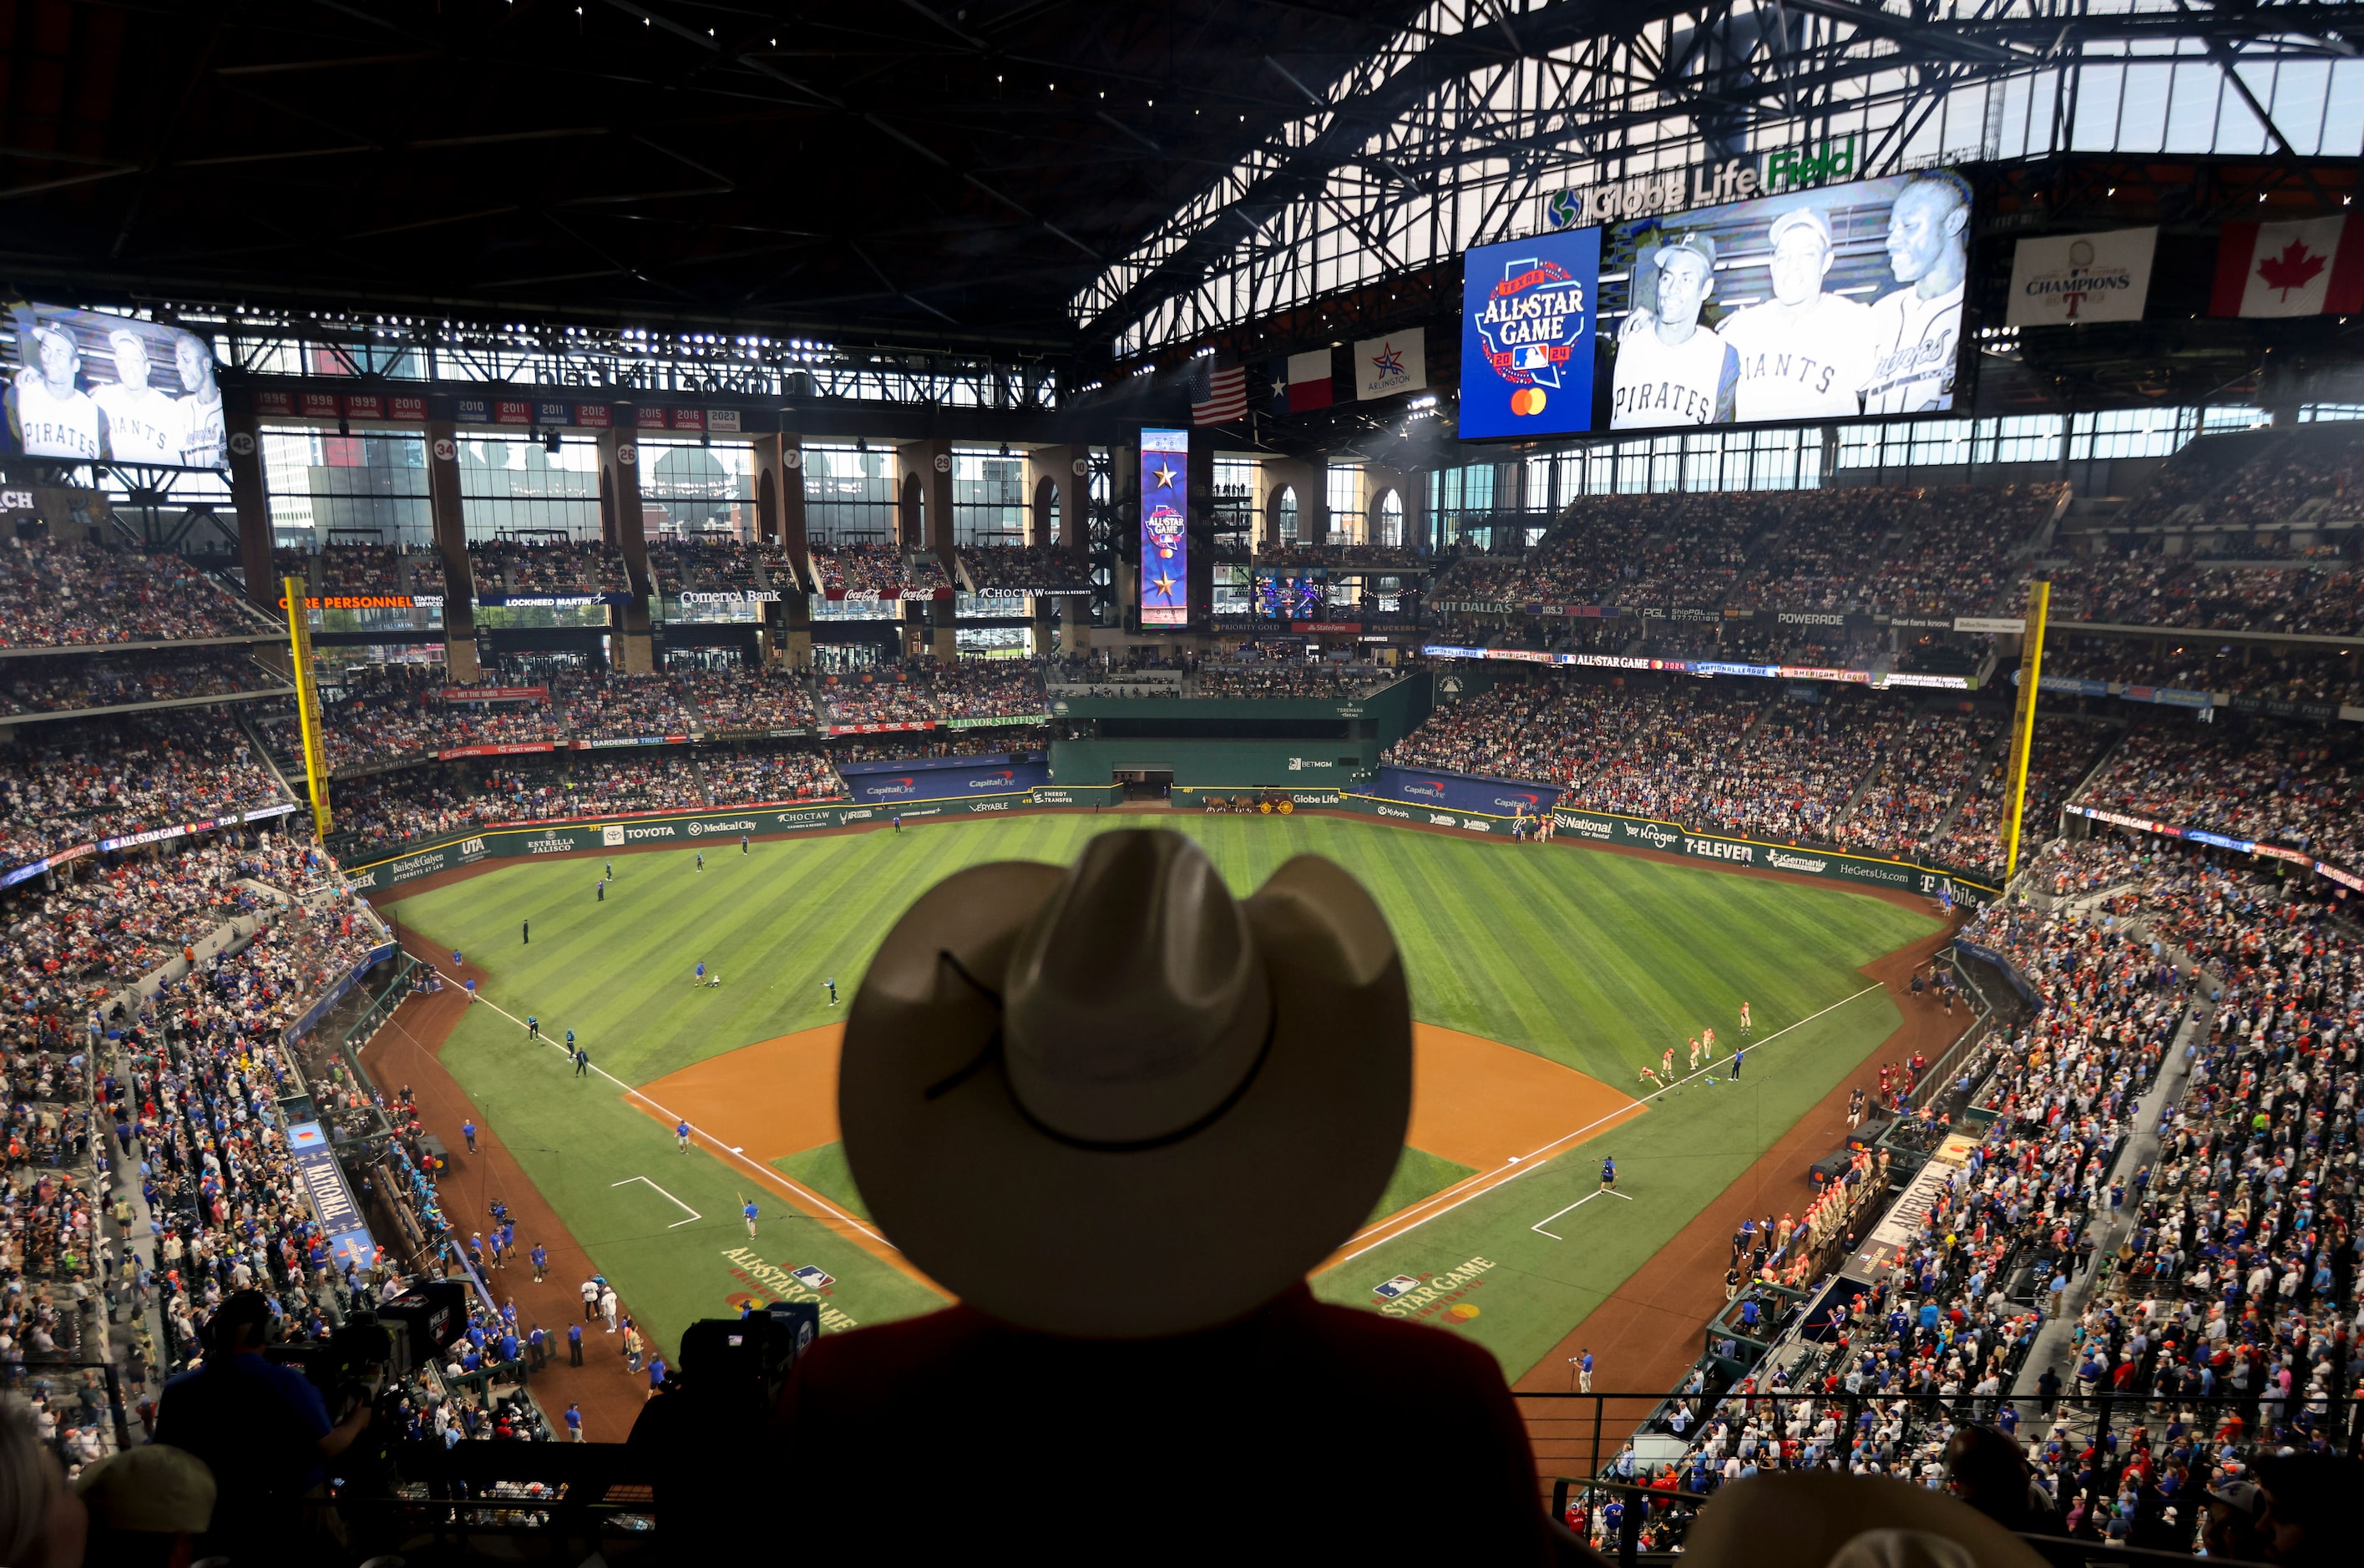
[
  {"x": 1863, "y": 549},
  {"x": 2292, "y": 784},
  {"x": 1270, "y": 680},
  {"x": 925, "y": 692},
  {"x": 71, "y": 682},
  {"x": 568, "y": 568},
  {"x": 364, "y": 569},
  {"x": 2321, "y": 676},
  {"x": 860, "y": 571},
  {"x": 73, "y": 784},
  {"x": 2212, "y": 1290},
  {"x": 1029, "y": 568},
  {"x": 54, "y": 593}
]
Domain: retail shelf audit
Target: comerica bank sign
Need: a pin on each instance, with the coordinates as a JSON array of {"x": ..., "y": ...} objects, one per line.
[{"x": 1705, "y": 184}]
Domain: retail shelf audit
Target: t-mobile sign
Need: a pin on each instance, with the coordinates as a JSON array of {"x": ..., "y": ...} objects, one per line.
[{"x": 1165, "y": 543}]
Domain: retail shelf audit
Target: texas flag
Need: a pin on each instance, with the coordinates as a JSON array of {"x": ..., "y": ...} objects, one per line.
[
  {"x": 2312, "y": 267},
  {"x": 1302, "y": 382}
]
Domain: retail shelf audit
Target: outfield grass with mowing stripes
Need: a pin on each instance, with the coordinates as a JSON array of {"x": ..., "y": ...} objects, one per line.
[{"x": 1598, "y": 961}]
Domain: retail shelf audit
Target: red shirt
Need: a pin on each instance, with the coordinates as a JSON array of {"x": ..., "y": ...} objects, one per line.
[{"x": 1302, "y": 1426}]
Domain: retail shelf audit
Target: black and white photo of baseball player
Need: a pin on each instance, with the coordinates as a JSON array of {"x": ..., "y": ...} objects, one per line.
[
  {"x": 1672, "y": 370},
  {"x": 144, "y": 423},
  {"x": 1806, "y": 352},
  {"x": 1917, "y": 330},
  {"x": 48, "y": 412}
]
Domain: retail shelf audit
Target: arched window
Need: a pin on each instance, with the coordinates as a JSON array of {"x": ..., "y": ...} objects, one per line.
[{"x": 1390, "y": 519}]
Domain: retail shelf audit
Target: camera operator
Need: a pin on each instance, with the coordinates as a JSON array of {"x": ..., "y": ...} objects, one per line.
[{"x": 262, "y": 1428}]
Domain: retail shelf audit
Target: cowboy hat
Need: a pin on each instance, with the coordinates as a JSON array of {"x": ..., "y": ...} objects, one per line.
[
  {"x": 1807, "y": 1518},
  {"x": 1112, "y": 1102}
]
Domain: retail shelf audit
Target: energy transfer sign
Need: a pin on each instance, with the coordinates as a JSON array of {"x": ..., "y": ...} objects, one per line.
[{"x": 1527, "y": 317}]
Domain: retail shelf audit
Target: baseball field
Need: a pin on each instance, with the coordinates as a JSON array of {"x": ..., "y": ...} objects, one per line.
[{"x": 1543, "y": 978}]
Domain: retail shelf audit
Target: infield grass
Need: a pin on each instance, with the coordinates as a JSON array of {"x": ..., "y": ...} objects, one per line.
[{"x": 1595, "y": 961}]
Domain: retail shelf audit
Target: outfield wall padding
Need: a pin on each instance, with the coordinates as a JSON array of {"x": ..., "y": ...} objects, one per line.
[
  {"x": 525, "y": 841},
  {"x": 1674, "y": 838}
]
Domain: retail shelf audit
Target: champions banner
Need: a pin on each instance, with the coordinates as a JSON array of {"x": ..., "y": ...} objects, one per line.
[{"x": 1165, "y": 528}]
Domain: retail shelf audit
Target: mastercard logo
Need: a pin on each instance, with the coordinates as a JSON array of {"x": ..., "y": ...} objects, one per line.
[
  {"x": 1462, "y": 1309},
  {"x": 1527, "y": 400}
]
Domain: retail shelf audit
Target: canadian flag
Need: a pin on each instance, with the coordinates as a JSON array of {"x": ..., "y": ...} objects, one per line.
[{"x": 2312, "y": 267}]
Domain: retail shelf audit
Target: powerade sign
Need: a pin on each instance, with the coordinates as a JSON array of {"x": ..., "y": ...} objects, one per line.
[
  {"x": 969, "y": 776},
  {"x": 1528, "y": 311},
  {"x": 1464, "y": 792}
]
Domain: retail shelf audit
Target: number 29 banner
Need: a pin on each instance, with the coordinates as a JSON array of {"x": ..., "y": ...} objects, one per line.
[{"x": 1165, "y": 528}]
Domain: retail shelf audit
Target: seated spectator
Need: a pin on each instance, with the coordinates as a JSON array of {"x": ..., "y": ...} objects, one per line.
[
  {"x": 261, "y": 1429},
  {"x": 148, "y": 1508},
  {"x": 42, "y": 1523},
  {"x": 1225, "y": 1106}
]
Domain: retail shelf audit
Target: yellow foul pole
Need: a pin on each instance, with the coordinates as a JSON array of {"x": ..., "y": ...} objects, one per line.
[
  {"x": 307, "y": 703},
  {"x": 2022, "y": 722}
]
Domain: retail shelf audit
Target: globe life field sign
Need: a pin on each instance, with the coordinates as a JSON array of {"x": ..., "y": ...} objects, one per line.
[{"x": 1527, "y": 317}]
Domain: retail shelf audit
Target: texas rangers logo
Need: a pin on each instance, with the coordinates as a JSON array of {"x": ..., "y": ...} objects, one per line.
[
  {"x": 1531, "y": 323},
  {"x": 1165, "y": 526}
]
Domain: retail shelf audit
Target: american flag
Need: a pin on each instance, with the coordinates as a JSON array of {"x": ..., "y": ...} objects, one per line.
[{"x": 1217, "y": 396}]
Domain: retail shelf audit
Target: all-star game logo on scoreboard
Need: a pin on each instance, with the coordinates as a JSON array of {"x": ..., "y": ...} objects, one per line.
[
  {"x": 1164, "y": 539},
  {"x": 1527, "y": 317}
]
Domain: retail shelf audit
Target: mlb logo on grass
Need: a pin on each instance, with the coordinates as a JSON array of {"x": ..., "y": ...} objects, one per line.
[
  {"x": 611, "y": 834},
  {"x": 1395, "y": 1287},
  {"x": 812, "y": 1277}
]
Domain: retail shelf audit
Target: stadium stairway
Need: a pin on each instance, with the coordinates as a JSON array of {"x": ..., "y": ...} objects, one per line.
[
  {"x": 2055, "y": 1347},
  {"x": 285, "y": 765}
]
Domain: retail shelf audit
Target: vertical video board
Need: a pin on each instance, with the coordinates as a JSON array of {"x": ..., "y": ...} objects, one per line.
[{"x": 1165, "y": 528}]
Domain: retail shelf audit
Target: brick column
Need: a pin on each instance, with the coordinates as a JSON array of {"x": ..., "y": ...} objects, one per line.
[
  {"x": 625, "y": 527},
  {"x": 450, "y": 525}
]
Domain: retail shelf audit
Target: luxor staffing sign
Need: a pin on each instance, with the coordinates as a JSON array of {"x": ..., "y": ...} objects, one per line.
[
  {"x": 1527, "y": 317},
  {"x": 1165, "y": 528}
]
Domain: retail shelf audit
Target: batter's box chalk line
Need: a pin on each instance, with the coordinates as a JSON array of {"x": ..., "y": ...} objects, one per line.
[
  {"x": 1546, "y": 1220},
  {"x": 694, "y": 1215}
]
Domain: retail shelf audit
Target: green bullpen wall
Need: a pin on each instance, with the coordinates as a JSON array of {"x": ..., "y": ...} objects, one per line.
[
  {"x": 686, "y": 829},
  {"x": 1218, "y": 765}
]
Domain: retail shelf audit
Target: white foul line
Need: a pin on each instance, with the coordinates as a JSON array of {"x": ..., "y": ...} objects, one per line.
[
  {"x": 1517, "y": 1164},
  {"x": 1579, "y": 1203},
  {"x": 763, "y": 1172},
  {"x": 694, "y": 1215}
]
